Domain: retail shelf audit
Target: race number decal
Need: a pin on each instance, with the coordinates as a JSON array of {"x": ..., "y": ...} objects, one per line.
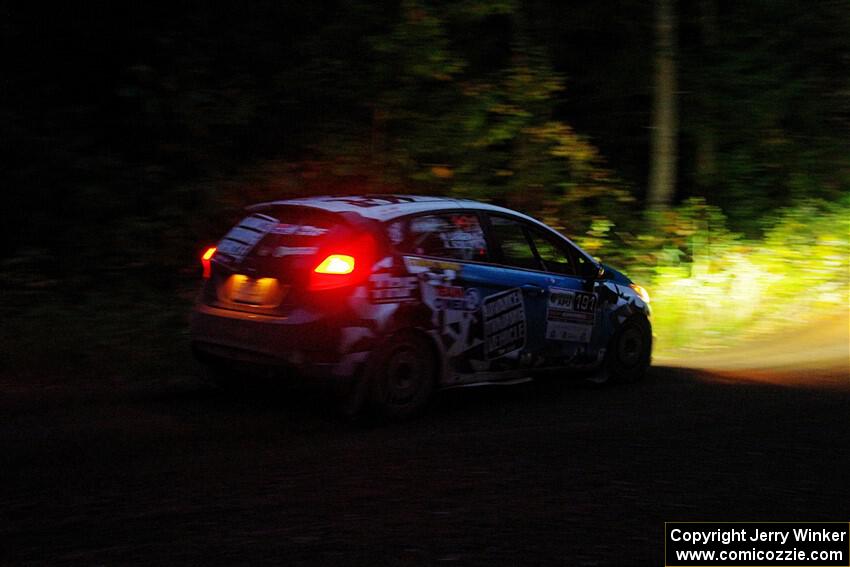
[
  {"x": 569, "y": 315},
  {"x": 504, "y": 323}
]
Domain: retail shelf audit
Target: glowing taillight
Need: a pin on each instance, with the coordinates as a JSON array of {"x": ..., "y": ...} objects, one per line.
[
  {"x": 339, "y": 264},
  {"x": 206, "y": 261},
  {"x": 343, "y": 264}
]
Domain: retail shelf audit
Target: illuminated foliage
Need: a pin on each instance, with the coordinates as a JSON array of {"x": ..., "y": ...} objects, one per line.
[
  {"x": 711, "y": 287},
  {"x": 478, "y": 121}
]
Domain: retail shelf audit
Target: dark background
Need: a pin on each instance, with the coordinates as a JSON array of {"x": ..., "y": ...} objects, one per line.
[{"x": 132, "y": 133}]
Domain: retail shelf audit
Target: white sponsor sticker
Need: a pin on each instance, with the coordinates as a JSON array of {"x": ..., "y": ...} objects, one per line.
[
  {"x": 384, "y": 288},
  {"x": 242, "y": 238},
  {"x": 298, "y": 230},
  {"x": 504, "y": 323},
  {"x": 456, "y": 298},
  {"x": 569, "y": 315},
  {"x": 282, "y": 251},
  {"x": 417, "y": 265}
]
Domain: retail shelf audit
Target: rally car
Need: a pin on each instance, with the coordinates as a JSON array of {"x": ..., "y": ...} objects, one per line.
[{"x": 390, "y": 297}]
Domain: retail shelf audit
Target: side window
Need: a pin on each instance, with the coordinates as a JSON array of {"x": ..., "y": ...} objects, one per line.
[
  {"x": 585, "y": 267},
  {"x": 457, "y": 236},
  {"x": 553, "y": 254},
  {"x": 516, "y": 250}
]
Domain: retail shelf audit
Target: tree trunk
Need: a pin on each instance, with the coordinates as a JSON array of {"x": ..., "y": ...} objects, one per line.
[
  {"x": 662, "y": 177},
  {"x": 706, "y": 138}
]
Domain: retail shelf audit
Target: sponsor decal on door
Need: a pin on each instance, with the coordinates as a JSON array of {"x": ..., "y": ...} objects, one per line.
[{"x": 569, "y": 315}]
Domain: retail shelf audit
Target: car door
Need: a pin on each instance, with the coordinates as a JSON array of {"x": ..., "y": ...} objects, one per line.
[
  {"x": 475, "y": 307},
  {"x": 572, "y": 318},
  {"x": 557, "y": 288},
  {"x": 441, "y": 252},
  {"x": 518, "y": 267}
]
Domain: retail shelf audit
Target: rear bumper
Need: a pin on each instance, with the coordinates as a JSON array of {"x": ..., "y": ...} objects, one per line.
[{"x": 299, "y": 341}]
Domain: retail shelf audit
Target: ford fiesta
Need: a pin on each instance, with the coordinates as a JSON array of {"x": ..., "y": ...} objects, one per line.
[{"x": 389, "y": 298}]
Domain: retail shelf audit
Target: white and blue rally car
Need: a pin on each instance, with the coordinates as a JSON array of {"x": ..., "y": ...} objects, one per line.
[{"x": 390, "y": 297}]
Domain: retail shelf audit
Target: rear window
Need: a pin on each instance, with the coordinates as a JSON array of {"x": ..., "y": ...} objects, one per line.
[
  {"x": 456, "y": 236},
  {"x": 277, "y": 233}
]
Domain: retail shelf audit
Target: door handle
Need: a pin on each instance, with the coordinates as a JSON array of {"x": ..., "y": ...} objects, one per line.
[{"x": 532, "y": 290}]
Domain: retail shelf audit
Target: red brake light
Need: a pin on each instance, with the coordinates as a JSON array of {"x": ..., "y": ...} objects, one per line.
[
  {"x": 336, "y": 264},
  {"x": 205, "y": 261},
  {"x": 343, "y": 264}
]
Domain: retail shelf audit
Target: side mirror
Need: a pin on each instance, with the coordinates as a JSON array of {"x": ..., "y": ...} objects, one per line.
[{"x": 592, "y": 272}]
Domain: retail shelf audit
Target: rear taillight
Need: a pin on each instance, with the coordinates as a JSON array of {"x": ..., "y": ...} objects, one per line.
[
  {"x": 206, "y": 261},
  {"x": 339, "y": 264},
  {"x": 343, "y": 265}
]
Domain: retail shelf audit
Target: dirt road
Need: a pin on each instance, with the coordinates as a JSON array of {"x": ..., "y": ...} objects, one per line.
[
  {"x": 821, "y": 347},
  {"x": 535, "y": 474}
]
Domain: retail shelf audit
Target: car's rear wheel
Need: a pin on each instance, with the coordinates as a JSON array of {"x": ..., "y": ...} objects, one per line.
[
  {"x": 403, "y": 376},
  {"x": 351, "y": 397}
]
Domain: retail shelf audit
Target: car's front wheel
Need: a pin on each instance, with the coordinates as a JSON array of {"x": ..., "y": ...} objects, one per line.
[
  {"x": 630, "y": 351},
  {"x": 628, "y": 355},
  {"x": 403, "y": 376}
]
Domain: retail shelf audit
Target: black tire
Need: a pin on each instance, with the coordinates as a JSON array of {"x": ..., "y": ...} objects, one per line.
[
  {"x": 350, "y": 397},
  {"x": 629, "y": 351},
  {"x": 217, "y": 374},
  {"x": 402, "y": 376}
]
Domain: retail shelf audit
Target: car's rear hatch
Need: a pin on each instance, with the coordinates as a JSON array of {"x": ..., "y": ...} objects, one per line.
[{"x": 263, "y": 264}]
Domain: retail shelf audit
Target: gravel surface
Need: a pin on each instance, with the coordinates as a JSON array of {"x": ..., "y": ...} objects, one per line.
[{"x": 538, "y": 474}]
